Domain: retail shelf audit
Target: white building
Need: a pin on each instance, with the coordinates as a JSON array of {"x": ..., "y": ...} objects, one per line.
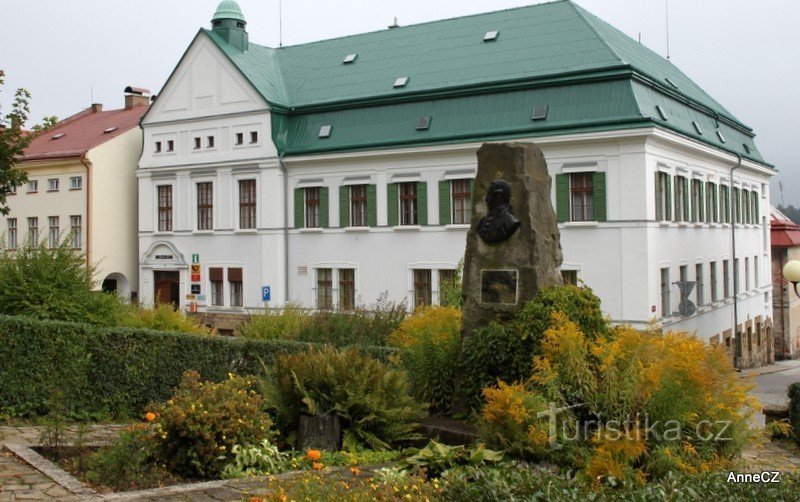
[
  {"x": 338, "y": 170},
  {"x": 82, "y": 188}
]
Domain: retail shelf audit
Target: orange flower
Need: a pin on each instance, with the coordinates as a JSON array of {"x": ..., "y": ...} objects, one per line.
[
  {"x": 355, "y": 470},
  {"x": 313, "y": 455},
  {"x": 316, "y": 466},
  {"x": 150, "y": 416}
]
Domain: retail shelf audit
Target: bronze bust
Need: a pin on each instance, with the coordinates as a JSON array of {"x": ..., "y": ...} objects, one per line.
[{"x": 499, "y": 224}]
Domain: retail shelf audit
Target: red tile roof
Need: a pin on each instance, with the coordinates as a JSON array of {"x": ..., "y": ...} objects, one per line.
[
  {"x": 783, "y": 232},
  {"x": 82, "y": 132}
]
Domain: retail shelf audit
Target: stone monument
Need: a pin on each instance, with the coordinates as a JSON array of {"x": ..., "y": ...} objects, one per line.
[{"x": 513, "y": 247}]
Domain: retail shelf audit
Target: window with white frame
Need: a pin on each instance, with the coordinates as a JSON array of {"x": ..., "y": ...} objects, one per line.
[
  {"x": 422, "y": 287},
  {"x": 33, "y": 186},
  {"x": 235, "y": 286},
  {"x": 347, "y": 288},
  {"x": 713, "y": 280},
  {"x": 408, "y": 203},
  {"x": 461, "y": 197},
  {"x": 247, "y": 204},
  {"x": 699, "y": 285},
  {"x": 33, "y": 231},
  {"x": 76, "y": 237},
  {"x": 52, "y": 185},
  {"x": 12, "y": 233},
  {"x": 324, "y": 289},
  {"x": 666, "y": 309},
  {"x": 205, "y": 206},
  {"x": 53, "y": 231},
  {"x": 663, "y": 202},
  {"x": 75, "y": 183},
  {"x": 358, "y": 205},
  {"x": 164, "y": 208}
]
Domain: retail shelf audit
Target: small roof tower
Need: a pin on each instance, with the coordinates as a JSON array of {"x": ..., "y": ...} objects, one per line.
[{"x": 229, "y": 23}]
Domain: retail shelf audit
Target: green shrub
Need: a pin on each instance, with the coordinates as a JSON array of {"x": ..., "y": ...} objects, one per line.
[
  {"x": 430, "y": 346},
  {"x": 53, "y": 284},
  {"x": 129, "y": 463},
  {"x": 371, "y": 399},
  {"x": 162, "y": 317},
  {"x": 198, "y": 427},
  {"x": 794, "y": 409},
  {"x": 116, "y": 371},
  {"x": 437, "y": 458},
  {"x": 361, "y": 326},
  {"x": 259, "y": 460}
]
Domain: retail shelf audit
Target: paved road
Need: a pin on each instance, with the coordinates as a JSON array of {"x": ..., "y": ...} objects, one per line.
[{"x": 773, "y": 381}]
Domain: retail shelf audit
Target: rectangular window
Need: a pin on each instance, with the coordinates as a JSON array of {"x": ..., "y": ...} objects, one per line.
[
  {"x": 210, "y": 142},
  {"x": 158, "y": 147},
  {"x": 737, "y": 280},
  {"x": 205, "y": 206},
  {"x": 697, "y": 201},
  {"x": 681, "y": 199},
  {"x": 247, "y": 203},
  {"x": 725, "y": 204},
  {"x": 755, "y": 272},
  {"x": 52, "y": 185},
  {"x": 253, "y": 137},
  {"x": 666, "y": 309},
  {"x": 53, "y": 233},
  {"x": 699, "y": 286},
  {"x": 33, "y": 186},
  {"x": 33, "y": 232},
  {"x": 755, "y": 209},
  {"x": 422, "y": 287},
  {"x": 217, "y": 295},
  {"x": 170, "y": 145},
  {"x": 569, "y": 277},
  {"x": 347, "y": 289},
  {"x": 165, "y": 208},
  {"x": 713, "y": 279},
  {"x": 737, "y": 205},
  {"x": 358, "y": 205},
  {"x": 408, "y": 203},
  {"x": 462, "y": 201},
  {"x": 581, "y": 196},
  {"x": 240, "y": 138},
  {"x": 235, "y": 284},
  {"x": 75, "y": 231},
  {"x": 198, "y": 143},
  {"x": 447, "y": 279},
  {"x": 663, "y": 212},
  {"x": 75, "y": 183},
  {"x": 324, "y": 289},
  {"x": 711, "y": 206},
  {"x": 746, "y": 206},
  {"x": 726, "y": 279},
  {"x": 747, "y": 274},
  {"x": 12, "y": 233},
  {"x": 312, "y": 203}
]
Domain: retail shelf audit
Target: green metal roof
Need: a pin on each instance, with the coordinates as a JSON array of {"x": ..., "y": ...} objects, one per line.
[
  {"x": 228, "y": 9},
  {"x": 555, "y": 54}
]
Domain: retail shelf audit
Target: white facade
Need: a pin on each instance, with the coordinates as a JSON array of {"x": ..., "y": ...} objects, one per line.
[{"x": 621, "y": 258}]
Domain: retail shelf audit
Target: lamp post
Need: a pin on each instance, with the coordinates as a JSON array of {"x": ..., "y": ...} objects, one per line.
[{"x": 791, "y": 272}]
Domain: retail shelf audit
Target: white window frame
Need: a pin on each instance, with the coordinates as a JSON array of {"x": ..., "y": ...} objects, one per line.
[{"x": 76, "y": 183}]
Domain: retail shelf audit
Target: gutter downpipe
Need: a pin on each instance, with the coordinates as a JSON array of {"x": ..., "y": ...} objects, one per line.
[
  {"x": 88, "y": 165},
  {"x": 736, "y": 340},
  {"x": 285, "y": 226}
]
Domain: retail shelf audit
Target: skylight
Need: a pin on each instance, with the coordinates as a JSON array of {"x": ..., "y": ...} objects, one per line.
[
  {"x": 491, "y": 36},
  {"x": 661, "y": 112},
  {"x": 110, "y": 130},
  {"x": 58, "y": 136},
  {"x": 539, "y": 112},
  {"x": 697, "y": 127},
  {"x": 424, "y": 123},
  {"x": 349, "y": 58},
  {"x": 325, "y": 131},
  {"x": 746, "y": 147},
  {"x": 720, "y": 136},
  {"x": 400, "y": 82}
]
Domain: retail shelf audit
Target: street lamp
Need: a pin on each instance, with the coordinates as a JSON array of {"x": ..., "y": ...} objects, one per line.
[{"x": 791, "y": 272}]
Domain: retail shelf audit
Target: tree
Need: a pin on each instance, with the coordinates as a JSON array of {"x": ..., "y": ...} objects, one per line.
[{"x": 13, "y": 141}]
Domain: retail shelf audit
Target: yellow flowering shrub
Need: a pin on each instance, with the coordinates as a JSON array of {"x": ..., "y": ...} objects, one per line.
[{"x": 430, "y": 345}]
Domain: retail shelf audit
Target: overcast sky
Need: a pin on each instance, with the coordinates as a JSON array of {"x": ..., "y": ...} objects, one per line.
[{"x": 745, "y": 53}]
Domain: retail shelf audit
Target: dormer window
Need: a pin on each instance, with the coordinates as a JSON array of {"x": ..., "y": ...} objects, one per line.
[
  {"x": 240, "y": 25},
  {"x": 158, "y": 147},
  {"x": 253, "y": 137},
  {"x": 210, "y": 142},
  {"x": 217, "y": 24}
]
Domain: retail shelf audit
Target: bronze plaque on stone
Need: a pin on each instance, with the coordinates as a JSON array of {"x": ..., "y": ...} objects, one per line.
[{"x": 499, "y": 286}]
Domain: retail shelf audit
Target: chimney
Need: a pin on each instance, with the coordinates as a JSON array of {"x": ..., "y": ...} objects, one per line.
[
  {"x": 97, "y": 107},
  {"x": 16, "y": 123},
  {"x": 394, "y": 24},
  {"x": 136, "y": 96}
]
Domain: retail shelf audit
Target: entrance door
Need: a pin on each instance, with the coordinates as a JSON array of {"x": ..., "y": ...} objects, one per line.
[{"x": 167, "y": 287}]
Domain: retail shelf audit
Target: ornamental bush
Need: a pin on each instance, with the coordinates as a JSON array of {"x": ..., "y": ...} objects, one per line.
[
  {"x": 430, "y": 345},
  {"x": 633, "y": 406},
  {"x": 198, "y": 427},
  {"x": 794, "y": 410},
  {"x": 371, "y": 399}
]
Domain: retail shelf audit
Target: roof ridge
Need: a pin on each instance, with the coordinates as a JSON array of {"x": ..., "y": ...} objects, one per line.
[
  {"x": 532, "y": 6},
  {"x": 579, "y": 10}
]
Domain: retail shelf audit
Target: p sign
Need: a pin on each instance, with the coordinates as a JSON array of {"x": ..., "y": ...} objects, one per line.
[{"x": 265, "y": 293}]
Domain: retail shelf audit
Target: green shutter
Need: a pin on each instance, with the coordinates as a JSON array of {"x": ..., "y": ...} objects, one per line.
[
  {"x": 323, "y": 207},
  {"x": 422, "y": 203},
  {"x": 344, "y": 206},
  {"x": 756, "y": 208},
  {"x": 685, "y": 198},
  {"x": 599, "y": 195},
  {"x": 737, "y": 215},
  {"x": 668, "y": 202},
  {"x": 701, "y": 202},
  {"x": 444, "y": 203},
  {"x": 659, "y": 209},
  {"x": 372, "y": 205},
  {"x": 298, "y": 208},
  {"x": 562, "y": 197},
  {"x": 715, "y": 201},
  {"x": 391, "y": 204}
]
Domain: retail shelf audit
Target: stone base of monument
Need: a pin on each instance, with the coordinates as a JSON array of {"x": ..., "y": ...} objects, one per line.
[{"x": 323, "y": 432}]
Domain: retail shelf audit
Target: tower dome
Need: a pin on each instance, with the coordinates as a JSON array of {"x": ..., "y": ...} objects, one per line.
[{"x": 229, "y": 24}]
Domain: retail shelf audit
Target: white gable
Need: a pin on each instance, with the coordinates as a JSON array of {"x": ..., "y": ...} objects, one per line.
[{"x": 204, "y": 84}]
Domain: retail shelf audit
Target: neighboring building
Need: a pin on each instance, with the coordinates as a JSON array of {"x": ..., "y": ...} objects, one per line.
[
  {"x": 82, "y": 187},
  {"x": 337, "y": 170},
  {"x": 785, "y": 242}
]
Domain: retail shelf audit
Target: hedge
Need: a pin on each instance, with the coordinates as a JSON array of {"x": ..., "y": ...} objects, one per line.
[
  {"x": 116, "y": 372},
  {"x": 794, "y": 410}
]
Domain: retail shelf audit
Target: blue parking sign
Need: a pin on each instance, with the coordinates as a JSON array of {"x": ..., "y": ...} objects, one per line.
[{"x": 265, "y": 293}]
